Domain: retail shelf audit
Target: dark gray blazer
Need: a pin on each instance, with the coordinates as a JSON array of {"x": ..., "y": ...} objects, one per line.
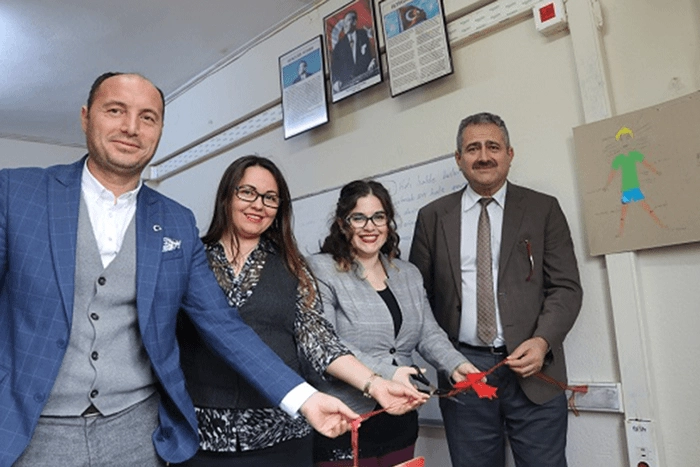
[
  {"x": 364, "y": 324},
  {"x": 543, "y": 302}
]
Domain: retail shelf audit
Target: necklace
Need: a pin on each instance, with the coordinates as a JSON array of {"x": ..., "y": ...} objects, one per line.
[
  {"x": 237, "y": 261},
  {"x": 376, "y": 275}
]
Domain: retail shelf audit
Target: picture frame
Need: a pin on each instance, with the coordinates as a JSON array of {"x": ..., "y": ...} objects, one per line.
[
  {"x": 303, "y": 87},
  {"x": 416, "y": 43},
  {"x": 352, "y": 49}
]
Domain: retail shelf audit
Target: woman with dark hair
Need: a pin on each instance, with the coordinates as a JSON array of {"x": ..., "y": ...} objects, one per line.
[
  {"x": 379, "y": 308},
  {"x": 251, "y": 249}
]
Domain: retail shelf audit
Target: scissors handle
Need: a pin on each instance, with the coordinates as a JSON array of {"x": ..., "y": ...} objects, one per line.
[{"x": 420, "y": 377}]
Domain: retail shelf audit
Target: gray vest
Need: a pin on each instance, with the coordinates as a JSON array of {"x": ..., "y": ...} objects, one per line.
[{"x": 105, "y": 363}]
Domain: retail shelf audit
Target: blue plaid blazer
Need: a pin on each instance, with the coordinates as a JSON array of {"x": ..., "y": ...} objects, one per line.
[{"x": 38, "y": 232}]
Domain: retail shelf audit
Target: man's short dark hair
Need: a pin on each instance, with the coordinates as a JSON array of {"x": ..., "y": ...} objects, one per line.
[
  {"x": 105, "y": 76},
  {"x": 481, "y": 119}
]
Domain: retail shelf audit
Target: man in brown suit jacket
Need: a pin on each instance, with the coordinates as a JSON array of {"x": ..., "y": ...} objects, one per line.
[{"x": 537, "y": 295}]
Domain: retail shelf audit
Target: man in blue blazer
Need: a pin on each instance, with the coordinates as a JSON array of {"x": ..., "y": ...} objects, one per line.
[{"x": 68, "y": 386}]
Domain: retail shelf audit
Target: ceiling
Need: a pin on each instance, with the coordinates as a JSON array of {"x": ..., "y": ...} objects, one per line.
[{"x": 52, "y": 50}]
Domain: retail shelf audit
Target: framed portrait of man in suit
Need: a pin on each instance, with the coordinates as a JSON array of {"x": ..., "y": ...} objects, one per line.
[{"x": 350, "y": 36}]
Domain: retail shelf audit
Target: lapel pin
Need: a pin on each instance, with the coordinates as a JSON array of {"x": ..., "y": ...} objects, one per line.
[{"x": 157, "y": 228}]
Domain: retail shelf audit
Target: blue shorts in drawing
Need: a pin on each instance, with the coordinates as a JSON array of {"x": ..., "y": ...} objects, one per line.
[{"x": 632, "y": 195}]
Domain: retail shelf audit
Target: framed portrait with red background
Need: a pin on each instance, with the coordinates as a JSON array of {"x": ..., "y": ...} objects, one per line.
[{"x": 352, "y": 51}]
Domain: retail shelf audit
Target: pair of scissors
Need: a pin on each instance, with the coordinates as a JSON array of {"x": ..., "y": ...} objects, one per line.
[{"x": 429, "y": 389}]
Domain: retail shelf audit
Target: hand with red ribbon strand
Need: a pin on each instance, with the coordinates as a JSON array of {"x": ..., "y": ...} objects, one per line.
[
  {"x": 528, "y": 358},
  {"x": 327, "y": 414},
  {"x": 395, "y": 397},
  {"x": 462, "y": 371}
]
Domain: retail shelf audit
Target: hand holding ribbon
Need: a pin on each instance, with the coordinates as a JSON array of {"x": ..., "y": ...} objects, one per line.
[
  {"x": 528, "y": 358},
  {"x": 327, "y": 414},
  {"x": 396, "y": 398}
]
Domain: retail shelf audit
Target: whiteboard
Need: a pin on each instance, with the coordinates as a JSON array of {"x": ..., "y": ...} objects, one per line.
[{"x": 411, "y": 188}]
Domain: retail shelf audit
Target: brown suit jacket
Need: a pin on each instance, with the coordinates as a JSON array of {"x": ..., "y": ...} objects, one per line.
[{"x": 546, "y": 305}]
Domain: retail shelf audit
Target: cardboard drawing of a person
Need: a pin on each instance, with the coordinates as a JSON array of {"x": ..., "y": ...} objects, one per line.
[{"x": 626, "y": 164}]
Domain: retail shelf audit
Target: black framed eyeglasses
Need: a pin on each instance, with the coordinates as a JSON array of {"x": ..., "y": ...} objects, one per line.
[
  {"x": 250, "y": 194},
  {"x": 358, "y": 220}
]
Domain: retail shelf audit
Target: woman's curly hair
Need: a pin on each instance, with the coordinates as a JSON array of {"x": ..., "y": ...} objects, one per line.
[{"x": 338, "y": 242}]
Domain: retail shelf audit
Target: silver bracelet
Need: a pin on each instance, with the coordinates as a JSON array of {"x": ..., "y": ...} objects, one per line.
[{"x": 368, "y": 384}]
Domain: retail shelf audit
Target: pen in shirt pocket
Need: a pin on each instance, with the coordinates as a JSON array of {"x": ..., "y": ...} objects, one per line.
[{"x": 528, "y": 246}]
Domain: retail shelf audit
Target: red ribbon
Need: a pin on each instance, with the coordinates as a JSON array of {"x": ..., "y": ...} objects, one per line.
[
  {"x": 415, "y": 462},
  {"x": 582, "y": 388},
  {"x": 484, "y": 391},
  {"x": 355, "y": 435}
]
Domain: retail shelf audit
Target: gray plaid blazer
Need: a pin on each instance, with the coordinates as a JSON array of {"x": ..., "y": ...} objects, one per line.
[{"x": 364, "y": 324}]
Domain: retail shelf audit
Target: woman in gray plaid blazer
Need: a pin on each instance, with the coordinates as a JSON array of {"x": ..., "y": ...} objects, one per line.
[{"x": 379, "y": 308}]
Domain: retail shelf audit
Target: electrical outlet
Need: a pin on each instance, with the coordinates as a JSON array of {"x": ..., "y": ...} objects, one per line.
[{"x": 640, "y": 443}]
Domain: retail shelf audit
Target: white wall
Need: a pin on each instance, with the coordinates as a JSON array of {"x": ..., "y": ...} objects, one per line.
[
  {"x": 531, "y": 81},
  {"x": 15, "y": 153},
  {"x": 653, "y": 56}
]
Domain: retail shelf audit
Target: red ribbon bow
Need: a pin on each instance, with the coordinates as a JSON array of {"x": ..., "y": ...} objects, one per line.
[{"x": 475, "y": 382}]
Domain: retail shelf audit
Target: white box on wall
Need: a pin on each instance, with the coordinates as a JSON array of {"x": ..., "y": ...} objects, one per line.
[{"x": 550, "y": 17}]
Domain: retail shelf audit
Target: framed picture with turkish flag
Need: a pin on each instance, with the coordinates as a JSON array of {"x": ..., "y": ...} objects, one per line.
[
  {"x": 350, "y": 36},
  {"x": 415, "y": 38}
]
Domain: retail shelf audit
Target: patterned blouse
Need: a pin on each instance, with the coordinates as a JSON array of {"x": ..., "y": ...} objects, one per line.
[{"x": 231, "y": 430}]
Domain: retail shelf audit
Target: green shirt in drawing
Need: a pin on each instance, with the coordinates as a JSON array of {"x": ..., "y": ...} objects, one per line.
[{"x": 627, "y": 163}]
